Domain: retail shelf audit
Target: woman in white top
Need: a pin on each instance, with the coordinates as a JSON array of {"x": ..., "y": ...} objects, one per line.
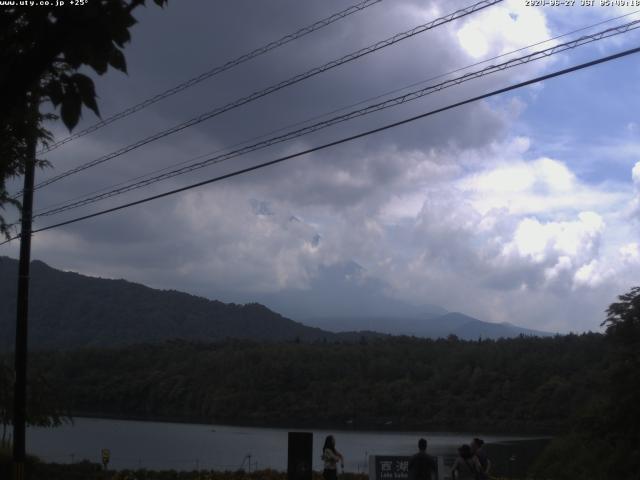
[
  {"x": 331, "y": 456},
  {"x": 466, "y": 466}
]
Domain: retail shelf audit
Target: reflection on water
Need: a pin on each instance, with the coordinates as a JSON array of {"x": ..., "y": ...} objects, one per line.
[{"x": 160, "y": 445}]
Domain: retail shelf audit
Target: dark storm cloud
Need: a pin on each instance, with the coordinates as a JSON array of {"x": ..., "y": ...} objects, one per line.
[
  {"x": 175, "y": 44},
  {"x": 156, "y": 57},
  {"x": 213, "y": 240}
]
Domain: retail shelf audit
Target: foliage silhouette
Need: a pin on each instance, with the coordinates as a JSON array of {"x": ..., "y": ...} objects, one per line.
[
  {"x": 44, "y": 49},
  {"x": 604, "y": 439}
]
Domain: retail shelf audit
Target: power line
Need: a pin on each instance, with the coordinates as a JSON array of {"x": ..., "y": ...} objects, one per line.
[
  {"x": 358, "y": 7},
  {"x": 399, "y": 100},
  {"x": 286, "y": 83},
  {"x": 346, "y": 139},
  {"x": 326, "y": 114}
]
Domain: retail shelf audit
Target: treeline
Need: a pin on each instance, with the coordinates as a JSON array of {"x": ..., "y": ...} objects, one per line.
[
  {"x": 603, "y": 439},
  {"x": 518, "y": 385}
]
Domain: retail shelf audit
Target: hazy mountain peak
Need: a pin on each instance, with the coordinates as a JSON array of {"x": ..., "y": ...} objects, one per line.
[{"x": 439, "y": 326}]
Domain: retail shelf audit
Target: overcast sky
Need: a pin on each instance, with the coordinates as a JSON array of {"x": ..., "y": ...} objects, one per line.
[{"x": 520, "y": 208}]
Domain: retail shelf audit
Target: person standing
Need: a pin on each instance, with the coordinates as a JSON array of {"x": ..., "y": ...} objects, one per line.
[
  {"x": 466, "y": 466},
  {"x": 478, "y": 451},
  {"x": 421, "y": 465},
  {"x": 330, "y": 456}
]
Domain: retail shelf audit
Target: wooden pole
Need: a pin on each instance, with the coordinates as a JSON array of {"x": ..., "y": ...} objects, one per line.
[{"x": 20, "y": 386}]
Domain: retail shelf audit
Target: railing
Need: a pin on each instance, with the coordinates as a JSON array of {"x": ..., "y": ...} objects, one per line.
[{"x": 130, "y": 463}]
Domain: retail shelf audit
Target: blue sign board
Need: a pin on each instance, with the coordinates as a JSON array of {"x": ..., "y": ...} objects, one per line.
[
  {"x": 391, "y": 467},
  {"x": 396, "y": 467}
]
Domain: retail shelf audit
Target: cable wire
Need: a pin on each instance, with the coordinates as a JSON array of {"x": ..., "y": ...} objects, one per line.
[
  {"x": 399, "y": 100},
  {"x": 358, "y": 7},
  {"x": 286, "y": 83},
  {"x": 326, "y": 114},
  {"x": 345, "y": 139}
]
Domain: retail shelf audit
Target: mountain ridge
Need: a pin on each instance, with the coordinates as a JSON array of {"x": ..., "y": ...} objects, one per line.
[
  {"x": 71, "y": 310},
  {"x": 462, "y": 326}
]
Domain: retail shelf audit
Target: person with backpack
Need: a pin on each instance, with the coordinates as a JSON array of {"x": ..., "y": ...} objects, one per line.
[
  {"x": 466, "y": 466},
  {"x": 485, "y": 464},
  {"x": 330, "y": 456},
  {"x": 422, "y": 465}
]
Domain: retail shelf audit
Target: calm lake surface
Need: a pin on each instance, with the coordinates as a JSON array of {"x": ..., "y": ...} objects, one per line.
[{"x": 179, "y": 446}]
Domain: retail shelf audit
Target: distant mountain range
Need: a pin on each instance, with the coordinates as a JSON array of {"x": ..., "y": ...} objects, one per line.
[
  {"x": 69, "y": 310},
  {"x": 437, "y": 326},
  {"x": 343, "y": 290},
  {"x": 343, "y": 298}
]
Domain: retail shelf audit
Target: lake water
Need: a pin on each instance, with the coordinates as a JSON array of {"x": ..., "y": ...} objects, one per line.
[{"x": 179, "y": 446}]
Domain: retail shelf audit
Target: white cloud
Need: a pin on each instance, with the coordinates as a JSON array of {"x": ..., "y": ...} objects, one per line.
[
  {"x": 543, "y": 186},
  {"x": 259, "y": 247},
  {"x": 538, "y": 241},
  {"x": 630, "y": 253},
  {"x": 590, "y": 275},
  {"x": 563, "y": 265},
  {"x": 635, "y": 175},
  {"x": 502, "y": 28},
  {"x": 480, "y": 237}
]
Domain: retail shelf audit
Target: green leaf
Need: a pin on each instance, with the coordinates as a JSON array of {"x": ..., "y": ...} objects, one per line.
[
  {"x": 120, "y": 36},
  {"x": 73, "y": 55},
  {"x": 54, "y": 92},
  {"x": 87, "y": 91},
  {"x": 117, "y": 60},
  {"x": 71, "y": 107},
  {"x": 98, "y": 61},
  {"x": 130, "y": 21}
]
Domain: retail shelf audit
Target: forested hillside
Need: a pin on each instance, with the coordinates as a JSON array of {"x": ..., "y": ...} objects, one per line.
[
  {"x": 68, "y": 310},
  {"x": 518, "y": 385}
]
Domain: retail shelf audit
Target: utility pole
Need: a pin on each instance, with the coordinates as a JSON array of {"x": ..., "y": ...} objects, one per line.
[{"x": 20, "y": 386}]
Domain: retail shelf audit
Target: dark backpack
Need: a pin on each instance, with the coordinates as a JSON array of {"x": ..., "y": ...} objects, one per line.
[
  {"x": 484, "y": 462},
  {"x": 421, "y": 466}
]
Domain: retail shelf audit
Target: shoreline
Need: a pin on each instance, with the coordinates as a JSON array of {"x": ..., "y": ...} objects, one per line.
[
  {"x": 335, "y": 427},
  {"x": 163, "y": 446}
]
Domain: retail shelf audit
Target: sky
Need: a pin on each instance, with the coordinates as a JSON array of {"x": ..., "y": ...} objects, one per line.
[{"x": 523, "y": 207}]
